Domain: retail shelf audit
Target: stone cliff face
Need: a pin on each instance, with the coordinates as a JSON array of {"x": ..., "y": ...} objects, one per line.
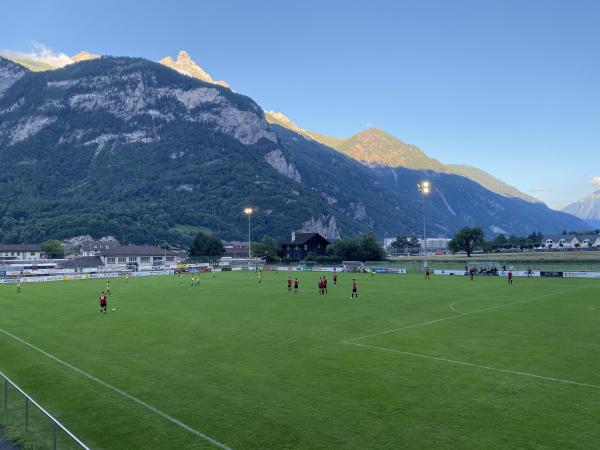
[
  {"x": 9, "y": 74},
  {"x": 130, "y": 96},
  {"x": 187, "y": 66}
]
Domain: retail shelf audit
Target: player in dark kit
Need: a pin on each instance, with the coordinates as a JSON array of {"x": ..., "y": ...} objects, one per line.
[
  {"x": 335, "y": 278},
  {"x": 103, "y": 303},
  {"x": 354, "y": 288},
  {"x": 295, "y": 285},
  {"x": 289, "y": 284},
  {"x": 320, "y": 285},
  {"x": 427, "y": 273},
  {"x": 325, "y": 284}
]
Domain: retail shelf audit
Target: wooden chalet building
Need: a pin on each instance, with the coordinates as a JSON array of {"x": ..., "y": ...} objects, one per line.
[{"x": 301, "y": 244}]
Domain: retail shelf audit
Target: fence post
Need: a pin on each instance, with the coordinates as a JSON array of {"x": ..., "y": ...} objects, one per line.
[{"x": 26, "y": 414}]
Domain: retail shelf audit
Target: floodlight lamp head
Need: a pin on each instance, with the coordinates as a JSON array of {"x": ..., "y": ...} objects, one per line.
[{"x": 248, "y": 211}]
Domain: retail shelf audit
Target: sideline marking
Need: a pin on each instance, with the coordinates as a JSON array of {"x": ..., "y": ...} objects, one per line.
[
  {"x": 121, "y": 392},
  {"x": 464, "y": 363},
  {"x": 455, "y": 316}
]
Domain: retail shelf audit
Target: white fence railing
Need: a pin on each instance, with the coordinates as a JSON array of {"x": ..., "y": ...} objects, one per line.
[{"x": 27, "y": 405}]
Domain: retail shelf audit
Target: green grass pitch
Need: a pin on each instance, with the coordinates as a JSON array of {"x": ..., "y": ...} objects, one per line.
[{"x": 414, "y": 363}]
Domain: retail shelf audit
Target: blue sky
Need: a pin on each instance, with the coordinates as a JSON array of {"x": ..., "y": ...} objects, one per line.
[{"x": 512, "y": 87}]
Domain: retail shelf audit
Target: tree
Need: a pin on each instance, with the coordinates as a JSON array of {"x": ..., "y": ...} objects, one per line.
[
  {"x": 205, "y": 245},
  {"x": 414, "y": 242},
  {"x": 268, "y": 248},
  {"x": 369, "y": 249},
  {"x": 401, "y": 243},
  {"x": 363, "y": 248},
  {"x": 467, "y": 240},
  {"x": 54, "y": 249}
]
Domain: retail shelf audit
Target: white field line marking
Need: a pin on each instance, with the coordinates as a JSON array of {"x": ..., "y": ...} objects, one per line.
[
  {"x": 121, "y": 392},
  {"x": 454, "y": 309},
  {"x": 455, "y": 316},
  {"x": 464, "y": 363}
]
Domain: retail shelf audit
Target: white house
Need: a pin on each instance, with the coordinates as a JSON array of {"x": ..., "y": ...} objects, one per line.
[
  {"x": 138, "y": 257},
  {"x": 20, "y": 252},
  {"x": 569, "y": 241}
]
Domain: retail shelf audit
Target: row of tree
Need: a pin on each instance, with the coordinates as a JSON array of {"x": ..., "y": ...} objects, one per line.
[{"x": 471, "y": 239}]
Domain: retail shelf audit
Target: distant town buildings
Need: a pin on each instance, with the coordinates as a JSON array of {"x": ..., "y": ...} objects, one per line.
[
  {"x": 236, "y": 249},
  {"x": 432, "y": 244},
  {"x": 20, "y": 252}
]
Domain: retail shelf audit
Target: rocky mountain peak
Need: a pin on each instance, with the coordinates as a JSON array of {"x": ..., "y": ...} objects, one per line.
[
  {"x": 586, "y": 208},
  {"x": 375, "y": 147},
  {"x": 281, "y": 119},
  {"x": 187, "y": 66},
  {"x": 84, "y": 56}
]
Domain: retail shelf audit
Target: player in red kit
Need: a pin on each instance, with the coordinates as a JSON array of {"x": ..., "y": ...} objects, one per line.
[
  {"x": 289, "y": 284},
  {"x": 103, "y": 303},
  {"x": 510, "y": 277},
  {"x": 295, "y": 285}
]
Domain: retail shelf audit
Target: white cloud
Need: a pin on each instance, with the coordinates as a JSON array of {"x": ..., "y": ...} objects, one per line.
[
  {"x": 43, "y": 54},
  {"x": 596, "y": 181},
  {"x": 536, "y": 190}
]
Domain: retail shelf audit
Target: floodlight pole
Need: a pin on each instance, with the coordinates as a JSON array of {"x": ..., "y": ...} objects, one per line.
[
  {"x": 248, "y": 212},
  {"x": 424, "y": 188},
  {"x": 249, "y": 241},
  {"x": 425, "y": 266}
]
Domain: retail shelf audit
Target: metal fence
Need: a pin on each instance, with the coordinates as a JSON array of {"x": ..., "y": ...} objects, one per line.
[
  {"x": 417, "y": 266},
  {"x": 25, "y": 421}
]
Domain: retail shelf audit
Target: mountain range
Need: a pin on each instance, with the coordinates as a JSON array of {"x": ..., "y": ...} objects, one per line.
[
  {"x": 146, "y": 151},
  {"x": 375, "y": 147}
]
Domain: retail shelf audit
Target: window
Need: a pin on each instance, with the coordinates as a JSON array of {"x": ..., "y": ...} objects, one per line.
[
  {"x": 157, "y": 258},
  {"x": 305, "y": 247},
  {"x": 122, "y": 260},
  {"x": 110, "y": 260},
  {"x": 132, "y": 259},
  {"x": 170, "y": 258},
  {"x": 31, "y": 253},
  {"x": 145, "y": 259}
]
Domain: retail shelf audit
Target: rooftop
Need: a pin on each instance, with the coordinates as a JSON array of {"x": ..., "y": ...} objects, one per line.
[
  {"x": 302, "y": 238},
  {"x": 137, "y": 250},
  {"x": 20, "y": 248}
]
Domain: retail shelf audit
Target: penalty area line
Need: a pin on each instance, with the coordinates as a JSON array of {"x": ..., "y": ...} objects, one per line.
[
  {"x": 478, "y": 366},
  {"x": 456, "y": 316},
  {"x": 120, "y": 392}
]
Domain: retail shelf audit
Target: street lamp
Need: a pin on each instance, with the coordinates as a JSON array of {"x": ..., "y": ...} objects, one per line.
[
  {"x": 424, "y": 187},
  {"x": 248, "y": 212}
]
